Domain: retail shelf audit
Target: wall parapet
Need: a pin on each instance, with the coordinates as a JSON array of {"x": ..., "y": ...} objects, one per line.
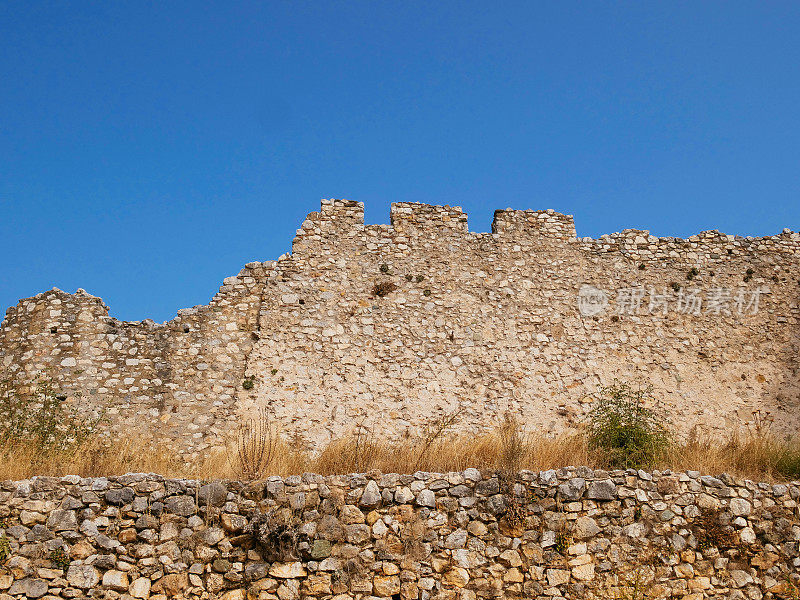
[
  {"x": 566, "y": 533},
  {"x": 538, "y": 223}
]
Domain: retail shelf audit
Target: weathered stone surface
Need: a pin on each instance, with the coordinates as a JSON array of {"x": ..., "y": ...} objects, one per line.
[
  {"x": 583, "y": 572},
  {"x": 510, "y": 558},
  {"x": 140, "y": 588},
  {"x": 457, "y": 539},
  {"x": 321, "y": 549},
  {"x": 83, "y": 576},
  {"x": 29, "y": 587},
  {"x": 586, "y": 527},
  {"x": 426, "y": 498},
  {"x": 172, "y": 585},
  {"x": 572, "y": 489},
  {"x": 386, "y": 587},
  {"x": 120, "y": 496},
  {"x": 740, "y": 507},
  {"x": 181, "y": 505},
  {"x": 116, "y": 580},
  {"x": 213, "y": 494},
  {"x": 557, "y": 577},
  {"x": 287, "y": 570},
  {"x": 211, "y": 536},
  {"x": 62, "y": 520},
  {"x": 602, "y": 490},
  {"x": 456, "y": 577},
  {"x": 371, "y": 495},
  {"x": 403, "y": 495}
]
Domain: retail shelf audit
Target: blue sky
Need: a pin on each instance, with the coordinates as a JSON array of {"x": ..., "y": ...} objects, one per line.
[{"x": 150, "y": 149}]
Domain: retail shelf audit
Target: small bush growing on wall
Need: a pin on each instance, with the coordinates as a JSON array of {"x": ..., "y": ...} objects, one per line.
[
  {"x": 42, "y": 418},
  {"x": 5, "y": 547},
  {"x": 628, "y": 424},
  {"x": 383, "y": 288},
  {"x": 60, "y": 558},
  {"x": 277, "y": 532},
  {"x": 562, "y": 542}
]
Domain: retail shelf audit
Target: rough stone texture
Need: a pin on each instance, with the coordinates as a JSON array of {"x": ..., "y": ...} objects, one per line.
[
  {"x": 488, "y": 321},
  {"x": 660, "y": 532}
]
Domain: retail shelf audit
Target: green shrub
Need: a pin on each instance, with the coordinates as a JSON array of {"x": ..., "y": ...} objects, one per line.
[
  {"x": 5, "y": 548},
  {"x": 42, "y": 418},
  {"x": 621, "y": 423},
  {"x": 563, "y": 542},
  {"x": 249, "y": 383},
  {"x": 60, "y": 558},
  {"x": 787, "y": 462}
]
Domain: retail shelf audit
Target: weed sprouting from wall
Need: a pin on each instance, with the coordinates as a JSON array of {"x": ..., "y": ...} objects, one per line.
[
  {"x": 5, "y": 547},
  {"x": 256, "y": 445},
  {"x": 512, "y": 444},
  {"x": 60, "y": 558},
  {"x": 433, "y": 431},
  {"x": 383, "y": 288}
]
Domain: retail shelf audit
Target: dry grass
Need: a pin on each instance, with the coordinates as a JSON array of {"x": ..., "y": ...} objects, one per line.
[
  {"x": 20, "y": 461},
  {"x": 758, "y": 456}
]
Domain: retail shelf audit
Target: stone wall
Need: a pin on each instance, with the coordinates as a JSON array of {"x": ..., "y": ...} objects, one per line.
[
  {"x": 572, "y": 533},
  {"x": 485, "y": 322}
]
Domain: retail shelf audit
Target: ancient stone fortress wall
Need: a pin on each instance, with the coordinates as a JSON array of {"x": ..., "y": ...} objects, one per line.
[
  {"x": 572, "y": 533},
  {"x": 484, "y": 323}
]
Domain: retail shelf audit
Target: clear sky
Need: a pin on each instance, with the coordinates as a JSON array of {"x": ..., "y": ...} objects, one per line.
[{"x": 150, "y": 149}]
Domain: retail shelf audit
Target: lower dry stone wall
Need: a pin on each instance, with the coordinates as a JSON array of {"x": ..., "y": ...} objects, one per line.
[{"x": 569, "y": 533}]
